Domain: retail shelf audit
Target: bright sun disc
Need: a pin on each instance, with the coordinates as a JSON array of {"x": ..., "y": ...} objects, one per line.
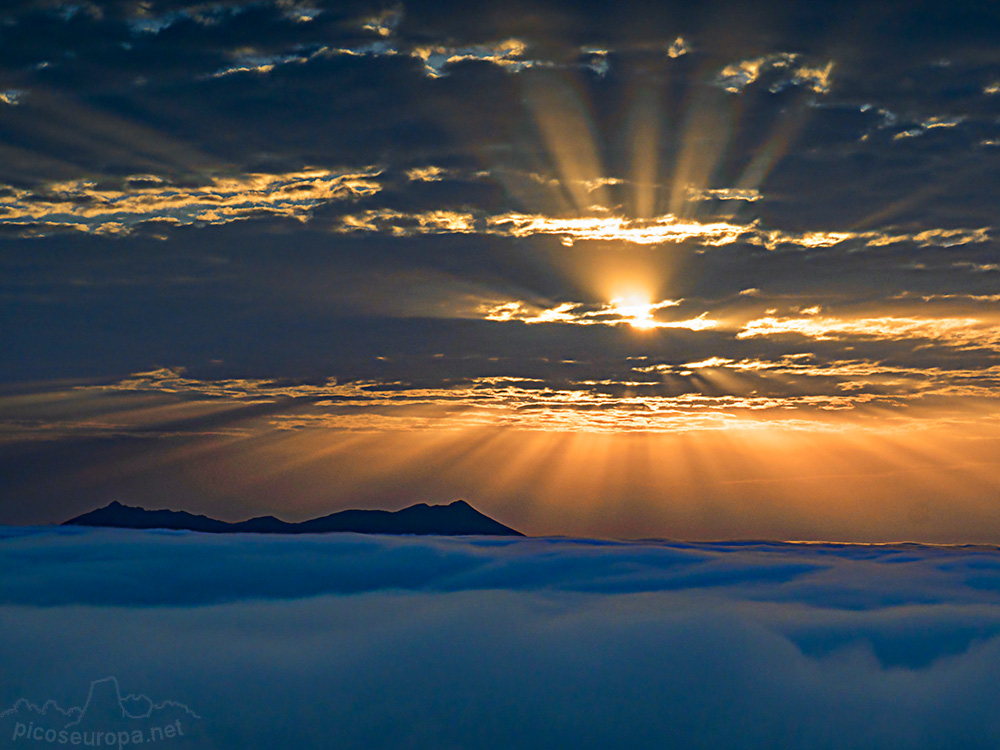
[{"x": 637, "y": 312}]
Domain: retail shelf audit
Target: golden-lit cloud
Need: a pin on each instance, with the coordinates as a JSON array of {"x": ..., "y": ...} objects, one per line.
[
  {"x": 587, "y": 184},
  {"x": 724, "y": 194},
  {"x": 88, "y": 206},
  {"x": 969, "y": 265},
  {"x": 251, "y": 61},
  {"x": 955, "y": 331},
  {"x": 852, "y": 376},
  {"x": 426, "y": 174},
  {"x": 931, "y": 123},
  {"x": 658, "y": 230},
  {"x": 11, "y": 96},
  {"x": 773, "y": 239},
  {"x": 145, "y": 20},
  {"x": 596, "y": 59},
  {"x": 942, "y": 122},
  {"x": 401, "y": 224},
  {"x": 737, "y": 76},
  {"x": 161, "y": 401},
  {"x": 508, "y": 53},
  {"x": 386, "y": 22},
  {"x": 679, "y": 47},
  {"x": 815, "y": 77},
  {"x": 929, "y": 237},
  {"x": 639, "y": 232},
  {"x": 634, "y": 312}
]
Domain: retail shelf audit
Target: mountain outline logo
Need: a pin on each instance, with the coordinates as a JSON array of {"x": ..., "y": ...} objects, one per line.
[{"x": 106, "y": 719}]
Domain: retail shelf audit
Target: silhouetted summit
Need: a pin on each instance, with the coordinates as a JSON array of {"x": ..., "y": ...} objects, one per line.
[{"x": 457, "y": 518}]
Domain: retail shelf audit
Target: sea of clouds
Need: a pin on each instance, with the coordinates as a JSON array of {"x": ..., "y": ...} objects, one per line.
[{"x": 351, "y": 641}]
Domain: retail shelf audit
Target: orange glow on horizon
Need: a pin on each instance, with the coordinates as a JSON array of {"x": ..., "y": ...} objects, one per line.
[
  {"x": 761, "y": 483},
  {"x": 831, "y": 476}
]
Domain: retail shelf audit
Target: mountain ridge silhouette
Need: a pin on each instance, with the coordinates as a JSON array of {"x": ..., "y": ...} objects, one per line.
[{"x": 454, "y": 519}]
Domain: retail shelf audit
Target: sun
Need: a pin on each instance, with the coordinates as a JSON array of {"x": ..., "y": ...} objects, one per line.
[
  {"x": 635, "y": 310},
  {"x": 644, "y": 322}
]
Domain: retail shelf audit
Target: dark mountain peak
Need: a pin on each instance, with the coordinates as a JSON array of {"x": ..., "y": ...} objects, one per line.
[
  {"x": 454, "y": 519},
  {"x": 117, "y": 515}
]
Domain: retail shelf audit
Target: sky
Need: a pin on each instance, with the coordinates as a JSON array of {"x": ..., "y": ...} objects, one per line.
[
  {"x": 715, "y": 270},
  {"x": 386, "y": 642}
]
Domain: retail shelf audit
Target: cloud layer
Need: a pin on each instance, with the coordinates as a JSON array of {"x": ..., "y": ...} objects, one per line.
[{"x": 382, "y": 642}]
